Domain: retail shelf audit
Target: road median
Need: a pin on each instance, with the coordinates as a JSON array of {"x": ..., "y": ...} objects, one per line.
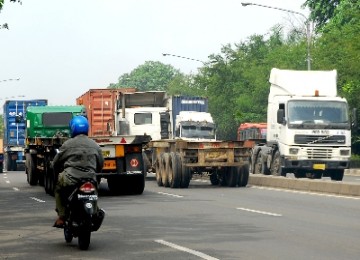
[{"x": 311, "y": 185}]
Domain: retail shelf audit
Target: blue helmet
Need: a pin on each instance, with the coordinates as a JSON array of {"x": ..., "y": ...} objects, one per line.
[{"x": 79, "y": 125}]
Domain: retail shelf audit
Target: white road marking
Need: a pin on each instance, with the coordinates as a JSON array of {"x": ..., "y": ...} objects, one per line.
[
  {"x": 15, "y": 189},
  {"x": 187, "y": 250},
  {"x": 5, "y": 177},
  {"x": 169, "y": 194},
  {"x": 7, "y": 181},
  {"x": 260, "y": 212},
  {"x": 307, "y": 192},
  {"x": 36, "y": 199}
]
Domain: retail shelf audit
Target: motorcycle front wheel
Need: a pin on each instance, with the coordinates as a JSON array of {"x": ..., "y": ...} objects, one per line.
[{"x": 84, "y": 238}]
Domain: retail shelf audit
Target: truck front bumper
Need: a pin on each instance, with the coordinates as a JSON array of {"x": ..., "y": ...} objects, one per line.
[{"x": 315, "y": 164}]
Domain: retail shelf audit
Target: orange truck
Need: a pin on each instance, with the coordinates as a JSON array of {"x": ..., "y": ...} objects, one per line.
[{"x": 124, "y": 166}]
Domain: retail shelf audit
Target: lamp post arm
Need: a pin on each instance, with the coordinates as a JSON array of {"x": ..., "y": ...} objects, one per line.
[
  {"x": 307, "y": 23},
  {"x": 168, "y": 54}
]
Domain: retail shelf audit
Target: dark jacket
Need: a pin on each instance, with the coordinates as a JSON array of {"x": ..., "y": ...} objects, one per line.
[{"x": 79, "y": 157}]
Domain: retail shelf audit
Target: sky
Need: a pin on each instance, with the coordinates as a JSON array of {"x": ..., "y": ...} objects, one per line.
[{"x": 58, "y": 50}]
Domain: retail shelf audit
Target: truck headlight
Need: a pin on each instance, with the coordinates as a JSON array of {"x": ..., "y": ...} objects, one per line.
[
  {"x": 344, "y": 152},
  {"x": 293, "y": 150}
]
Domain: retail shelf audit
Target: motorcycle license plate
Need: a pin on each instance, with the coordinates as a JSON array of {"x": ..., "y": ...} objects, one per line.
[
  {"x": 319, "y": 166},
  {"x": 88, "y": 197}
]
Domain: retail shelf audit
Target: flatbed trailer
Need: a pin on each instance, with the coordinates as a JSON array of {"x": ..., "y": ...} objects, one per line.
[{"x": 177, "y": 160}]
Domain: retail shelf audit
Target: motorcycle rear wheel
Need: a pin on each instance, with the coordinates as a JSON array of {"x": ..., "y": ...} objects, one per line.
[{"x": 84, "y": 238}]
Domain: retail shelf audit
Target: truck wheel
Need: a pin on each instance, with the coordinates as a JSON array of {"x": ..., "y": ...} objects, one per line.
[
  {"x": 276, "y": 169},
  {"x": 337, "y": 175},
  {"x": 258, "y": 165},
  {"x": 231, "y": 175},
  {"x": 185, "y": 177},
  {"x": 175, "y": 170},
  {"x": 164, "y": 168},
  {"x": 300, "y": 174},
  {"x": 158, "y": 171},
  {"x": 222, "y": 176},
  {"x": 138, "y": 184},
  {"x": 214, "y": 178},
  {"x": 32, "y": 178},
  {"x": 243, "y": 175}
]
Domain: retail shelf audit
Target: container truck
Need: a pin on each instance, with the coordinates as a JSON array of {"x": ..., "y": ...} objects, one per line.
[
  {"x": 308, "y": 127},
  {"x": 124, "y": 166},
  {"x": 14, "y": 131},
  {"x": 183, "y": 139},
  {"x": 47, "y": 129}
]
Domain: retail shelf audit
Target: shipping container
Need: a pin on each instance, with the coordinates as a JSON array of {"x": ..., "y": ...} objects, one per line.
[
  {"x": 14, "y": 130},
  {"x": 100, "y": 105},
  {"x": 187, "y": 103}
]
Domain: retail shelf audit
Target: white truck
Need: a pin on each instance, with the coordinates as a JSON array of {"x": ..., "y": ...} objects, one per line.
[
  {"x": 308, "y": 127},
  {"x": 183, "y": 139}
]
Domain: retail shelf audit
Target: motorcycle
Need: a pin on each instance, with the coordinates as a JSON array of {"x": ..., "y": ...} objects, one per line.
[{"x": 82, "y": 213}]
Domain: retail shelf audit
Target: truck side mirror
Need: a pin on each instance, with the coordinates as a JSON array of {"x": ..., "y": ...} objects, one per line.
[
  {"x": 281, "y": 116},
  {"x": 354, "y": 123}
]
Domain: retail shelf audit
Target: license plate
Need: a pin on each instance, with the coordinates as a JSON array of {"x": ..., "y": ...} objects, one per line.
[
  {"x": 319, "y": 166},
  {"x": 109, "y": 165}
]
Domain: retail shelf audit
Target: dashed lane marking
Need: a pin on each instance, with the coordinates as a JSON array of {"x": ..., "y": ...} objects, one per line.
[
  {"x": 169, "y": 194},
  {"x": 15, "y": 189},
  {"x": 261, "y": 212},
  {"x": 187, "y": 250},
  {"x": 36, "y": 199}
]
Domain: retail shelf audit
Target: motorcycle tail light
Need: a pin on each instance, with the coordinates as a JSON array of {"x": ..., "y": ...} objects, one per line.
[{"x": 87, "y": 187}]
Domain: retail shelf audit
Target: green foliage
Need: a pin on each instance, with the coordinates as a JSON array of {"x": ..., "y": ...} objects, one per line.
[
  {"x": 321, "y": 11},
  {"x": 152, "y": 75}
]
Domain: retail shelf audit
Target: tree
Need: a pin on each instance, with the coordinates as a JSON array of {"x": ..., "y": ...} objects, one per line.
[
  {"x": 321, "y": 11},
  {"x": 152, "y": 75}
]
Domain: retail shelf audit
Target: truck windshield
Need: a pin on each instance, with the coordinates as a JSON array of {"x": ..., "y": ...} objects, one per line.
[
  {"x": 203, "y": 132},
  {"x": 318, "y": 114}
]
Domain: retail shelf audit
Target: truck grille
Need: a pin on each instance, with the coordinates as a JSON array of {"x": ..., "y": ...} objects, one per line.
[
  {"x": 319, "y": 153},
  {"x": 319, "y": 139}
]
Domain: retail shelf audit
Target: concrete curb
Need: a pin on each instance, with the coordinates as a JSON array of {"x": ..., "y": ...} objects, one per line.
[{"x": 333, "y": 187}]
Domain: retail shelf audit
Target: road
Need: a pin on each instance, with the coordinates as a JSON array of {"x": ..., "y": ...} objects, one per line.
[{"x": 202, "y": 222}]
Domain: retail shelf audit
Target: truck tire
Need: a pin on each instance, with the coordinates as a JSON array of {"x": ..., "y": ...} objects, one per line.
[
  {"x": 214, "y": 178},
  {"x": 257, "y": 164},
  {"x": 31, "y": 169},
  {"x": 231, "y": 175},
  {"x": 337, "y": 175},
  {"x": 185, "y": 176},
  {"x": 243, "y": 175},
  {"x": 275, "y": 168},
  {"x": 158, "y": 171},
  {"x": 175, "y": 170},
  {"x": 164, "y": 168},
  {"x": 137, "y": 184}
]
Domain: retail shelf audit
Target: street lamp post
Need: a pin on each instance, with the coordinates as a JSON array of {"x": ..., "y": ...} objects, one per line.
[
  {"x": 168, "y": 54},
  {"x": 307, "y": 22}
]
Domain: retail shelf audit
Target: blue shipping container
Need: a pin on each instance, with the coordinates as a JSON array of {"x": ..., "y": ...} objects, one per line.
[
  {"x": 14, "y": 132},
  {"x": 188, "y": 103}
]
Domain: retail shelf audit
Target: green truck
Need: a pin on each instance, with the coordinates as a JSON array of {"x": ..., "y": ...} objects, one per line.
[{"x": 47, "y": 128}]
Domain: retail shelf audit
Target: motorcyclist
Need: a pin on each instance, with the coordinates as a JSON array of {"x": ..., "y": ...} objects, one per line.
[{"x": 78, "y": 157}]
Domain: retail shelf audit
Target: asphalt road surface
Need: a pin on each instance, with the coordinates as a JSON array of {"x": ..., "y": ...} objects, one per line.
[{"x": 201, "y": 222}]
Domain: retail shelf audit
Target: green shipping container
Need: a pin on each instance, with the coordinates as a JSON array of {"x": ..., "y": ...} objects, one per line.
[{"x": 50, "y": 121}]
